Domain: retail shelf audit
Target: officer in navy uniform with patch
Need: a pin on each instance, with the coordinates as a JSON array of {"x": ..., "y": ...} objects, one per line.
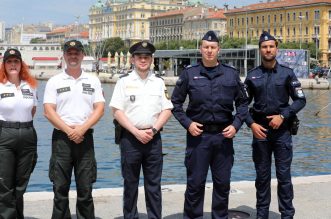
[
  {"x": 141, "y": 105},
  {"x": 213, "y": 88},
  {"x": 271, "y": 120},
  {"x": 18, "y": 138}
]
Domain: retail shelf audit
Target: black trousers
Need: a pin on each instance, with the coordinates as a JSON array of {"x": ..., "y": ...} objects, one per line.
[
  {"x": 18, "y": 157},
  {"x": 278, "y": 143},
  {"x": 208, "y": 150},
  {"x": 135, "y": 155},
  {"x": 66, "y": 156}
]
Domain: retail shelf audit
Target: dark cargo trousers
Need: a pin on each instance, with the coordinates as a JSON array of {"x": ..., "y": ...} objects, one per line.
[
  {"x": 18, "y": 157},
  {"x": 279, "y": 143},
  {"x": 66, "y": 156}
]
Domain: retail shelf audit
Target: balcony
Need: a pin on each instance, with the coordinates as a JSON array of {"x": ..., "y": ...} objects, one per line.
[{"x": 314, "y": 36}]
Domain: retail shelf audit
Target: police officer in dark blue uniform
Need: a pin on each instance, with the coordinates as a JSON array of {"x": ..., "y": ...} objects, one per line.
[
  {"x": 212, "y": 88},
  {"x": 271, "y": 85}
]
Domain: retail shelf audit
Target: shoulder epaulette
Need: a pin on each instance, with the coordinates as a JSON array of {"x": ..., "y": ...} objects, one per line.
[
  {"x": 190, "y": 66},
  {"x": 229, "y": 66},
  {"x": 158, "y": 76},
  {"x": 253, "y": 69},
  {"x": 122, "y": 76},
  {"x": 286, "y": 66}
]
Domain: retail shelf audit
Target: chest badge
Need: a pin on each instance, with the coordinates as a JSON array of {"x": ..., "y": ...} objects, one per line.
[{"x": 132, "y": 98}]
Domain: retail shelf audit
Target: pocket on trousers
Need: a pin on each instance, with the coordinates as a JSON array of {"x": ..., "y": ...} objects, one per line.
[
  {"x": 51, "y": 171},
  {"x": 34, "y": 162},
  {"x": 94, "y": 171},
  {"x": 188, "y": 155}
]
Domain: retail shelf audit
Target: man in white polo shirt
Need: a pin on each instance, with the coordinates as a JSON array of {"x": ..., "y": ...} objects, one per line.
[
  {"x": 73, "y": 103},
  {"x": 141, "y": 105}
]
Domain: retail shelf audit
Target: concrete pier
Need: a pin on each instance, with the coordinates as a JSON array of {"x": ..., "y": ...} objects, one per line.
[{"x": 312, "y": 200}]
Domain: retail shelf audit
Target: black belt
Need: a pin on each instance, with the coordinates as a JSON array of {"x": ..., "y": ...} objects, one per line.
[
  {"x": 15, "y": 125},
  {"x": 214, "y": 127}
]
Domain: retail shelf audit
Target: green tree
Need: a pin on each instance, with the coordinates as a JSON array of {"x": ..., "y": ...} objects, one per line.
[
  {"x": 37, "y": 40},
  {"x": 112, "y": 45}
]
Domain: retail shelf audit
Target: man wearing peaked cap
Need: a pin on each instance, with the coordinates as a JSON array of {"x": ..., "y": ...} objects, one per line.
[
  {"x": 72, "y": 139},
  {"x": 213, "y": 89},
  {"x": 210, "y": 36},
  {"x": 265, "y": 36},
  {"x": 142, "y": 47},
  {"x": 73, "y": 44},
  {"x": 141, "y": 105},
  {"x": 272, "y": 121},
  {"x": 12, "y": 53}
]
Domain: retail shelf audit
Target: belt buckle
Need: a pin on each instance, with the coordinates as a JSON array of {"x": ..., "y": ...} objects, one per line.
[{"x": 16, "y": 125}]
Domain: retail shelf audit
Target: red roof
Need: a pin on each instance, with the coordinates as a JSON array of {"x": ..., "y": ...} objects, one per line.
[
  {"x": 172, "y": 12},
  {"x": 45, "y": 58},
  {"x": 277, "y": 4},
  {"x": 104, "y": 59}
]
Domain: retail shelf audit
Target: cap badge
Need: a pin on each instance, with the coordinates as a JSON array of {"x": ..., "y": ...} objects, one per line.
[
  {"x": 266, "y": 38},
  {"x": 72, "y": 43},
  {"x": 144, "y": 44},
  {"x": 12, "y": 52},
  {"x": 209, "y": 38}
]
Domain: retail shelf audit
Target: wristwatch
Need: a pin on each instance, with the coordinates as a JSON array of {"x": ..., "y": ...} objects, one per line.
[
  {"x": 155, "y": 131},
  {"x": 281, "y": 116}
]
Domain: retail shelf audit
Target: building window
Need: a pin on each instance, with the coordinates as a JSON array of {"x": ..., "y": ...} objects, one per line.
[
  {"x": 281, "y": 18},
  {"x": 288, "y": 16},
  {"x": 307, "y": 15},
  {"x": 329, "y": 15},
  {"x": 262, "y": 19},
  {"x": 242, "y": 21},
  {"x": 275, "y": 32},
  {"x": 294, "y": 16},
  {"x": 275, "y": 18},
  {"x": 252, "y": 20},
  {"x": 281, "y": 31},
  {"x": 257, "y": 19},
  {"x": 268, "y": 19},
  {"x": 293, "y": 31},
  {"x": 306, "y": 30},
  {"x": 317, "y": 15},
  {"x": 288, "y": 31}
]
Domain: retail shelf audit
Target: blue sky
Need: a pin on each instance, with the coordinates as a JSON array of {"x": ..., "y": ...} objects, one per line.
[{"x": 64, "y": 11}]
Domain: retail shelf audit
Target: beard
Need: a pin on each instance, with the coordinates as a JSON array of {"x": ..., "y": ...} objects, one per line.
[{"x": 270, "y": 58}]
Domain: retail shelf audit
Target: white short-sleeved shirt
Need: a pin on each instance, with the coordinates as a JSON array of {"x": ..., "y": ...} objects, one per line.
[
  {"x": 16, "y": 103},
  {"x": 74, "y": 98},
  {"x": 141, "y": 100}
]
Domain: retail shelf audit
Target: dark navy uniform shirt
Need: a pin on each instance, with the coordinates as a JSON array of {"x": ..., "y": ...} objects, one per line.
[
  {"x": 271, "y": 90},
  {"x": 212, "y": 92}
]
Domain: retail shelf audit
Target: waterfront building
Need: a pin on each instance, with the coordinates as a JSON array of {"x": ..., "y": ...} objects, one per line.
[
  {"x": 62, "y": 34},
  {"x": 186, "y": 24},
  {"x": 126, "y": 19},
  {"x": 288, "y": 20}
]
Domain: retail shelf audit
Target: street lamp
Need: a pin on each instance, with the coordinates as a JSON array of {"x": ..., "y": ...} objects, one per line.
[{"x": 301, "y": 17}]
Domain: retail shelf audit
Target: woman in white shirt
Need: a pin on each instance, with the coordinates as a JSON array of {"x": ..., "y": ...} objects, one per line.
[{"x": 18, "y": 138}]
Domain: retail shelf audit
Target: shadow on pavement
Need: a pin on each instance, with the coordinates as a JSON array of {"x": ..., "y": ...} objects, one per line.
[
  {"x": 241, "y": 212},
  {"x": 141, "y": 216}
]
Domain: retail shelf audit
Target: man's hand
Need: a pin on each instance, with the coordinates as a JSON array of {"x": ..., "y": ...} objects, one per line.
[
  {"x": 195, "y": 129},
  {"x": 75, "y": 135},
  {"x": 258, "y": 131},
  {"x": 229, "y": 131},
  {"x": 144, "y": 136},
  {"x": 275, "y": 121}
]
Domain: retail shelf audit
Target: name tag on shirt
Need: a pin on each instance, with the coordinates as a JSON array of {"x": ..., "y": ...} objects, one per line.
[
  {"x": 88, "y": 90},
  {"x": 4, "y": 95},
  {"x": 62, "y": 90},
  {"x": 27, "y": 94}
]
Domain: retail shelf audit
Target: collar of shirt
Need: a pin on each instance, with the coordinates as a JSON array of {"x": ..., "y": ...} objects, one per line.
[
  {"x": 66, "y": 76},
  {"x": 273, "y": 70},
  {"x": 135, "y": 76},
  {"x": 9, "y": 84}
]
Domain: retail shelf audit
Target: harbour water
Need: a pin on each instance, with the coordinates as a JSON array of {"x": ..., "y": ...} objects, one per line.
[{"x": 312, "y": 146}]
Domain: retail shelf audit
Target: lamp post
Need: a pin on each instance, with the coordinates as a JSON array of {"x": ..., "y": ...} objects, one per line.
[
  {"x": 301, "y": 17},
  {"x": 197, "y": 40},
  {"x": 246, "y": 36}
]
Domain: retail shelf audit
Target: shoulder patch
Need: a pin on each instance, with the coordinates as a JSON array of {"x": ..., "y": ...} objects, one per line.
[{"x": 122, "y": 76}]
